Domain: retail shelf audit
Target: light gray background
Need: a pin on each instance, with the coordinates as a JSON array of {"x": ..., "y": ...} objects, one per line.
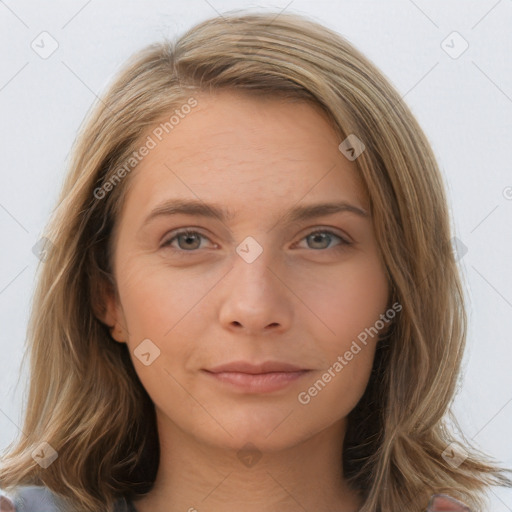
[{"x": 464, "y": 105}]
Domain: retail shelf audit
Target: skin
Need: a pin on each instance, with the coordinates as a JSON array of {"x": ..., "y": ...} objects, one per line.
[{"x": 302, "y": 300}]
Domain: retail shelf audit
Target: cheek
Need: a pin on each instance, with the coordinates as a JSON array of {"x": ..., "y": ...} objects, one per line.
[
  {"x": 349, "y": 309},
  {"x": 155, "y": 308},
  {"x": 153, "y": 302},
  {"x": 346, "y": 300},
  {"x": 158, "y": 305},
  {"x": 333, "y": 393}
]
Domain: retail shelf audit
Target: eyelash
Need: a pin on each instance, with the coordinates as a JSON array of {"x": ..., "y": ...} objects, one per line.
[{"x": 341, "y": 246}]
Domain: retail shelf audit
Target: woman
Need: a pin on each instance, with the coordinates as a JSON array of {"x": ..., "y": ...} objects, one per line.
[{"x": 254, "y": 370}]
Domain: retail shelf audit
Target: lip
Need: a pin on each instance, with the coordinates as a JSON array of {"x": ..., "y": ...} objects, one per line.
[
  {"x": 265, "y": 367},
  {"x": 257, "y": 378},
  {"x": 257, "y": 382}
]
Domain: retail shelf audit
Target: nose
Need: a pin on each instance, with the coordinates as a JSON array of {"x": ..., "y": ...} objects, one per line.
[{"x": 255, "y": 298}]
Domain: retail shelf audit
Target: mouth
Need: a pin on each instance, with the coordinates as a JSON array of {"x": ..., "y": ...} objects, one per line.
[{"x": 256, "y": 378}]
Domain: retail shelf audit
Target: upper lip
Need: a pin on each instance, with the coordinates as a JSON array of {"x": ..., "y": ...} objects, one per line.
[{"x": 246, "y": 367}]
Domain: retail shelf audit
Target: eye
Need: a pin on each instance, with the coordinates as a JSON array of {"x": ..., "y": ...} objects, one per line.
[
  {"x": 187, "y": 240},
  {"x": 322, "y": 237}
]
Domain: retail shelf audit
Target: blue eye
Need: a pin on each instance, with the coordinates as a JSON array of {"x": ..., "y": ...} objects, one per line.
[
  {"x": 189, "y": 241},
  {"x": 190, "y": 237},
  {"x": 318, "y": 236}
]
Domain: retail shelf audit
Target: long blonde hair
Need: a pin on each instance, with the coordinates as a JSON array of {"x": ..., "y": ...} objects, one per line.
[{"x": 85, "y": 399}]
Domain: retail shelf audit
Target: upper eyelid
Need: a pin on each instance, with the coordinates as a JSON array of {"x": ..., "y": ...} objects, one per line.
[{"x": 345, "y": 238}]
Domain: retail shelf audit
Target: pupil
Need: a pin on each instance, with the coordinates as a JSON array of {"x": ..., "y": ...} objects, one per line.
[
  {"x": 319, "y": 236},
  {"x": 189, "y": 238}
]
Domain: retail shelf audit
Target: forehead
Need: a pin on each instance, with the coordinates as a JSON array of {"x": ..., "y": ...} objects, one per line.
[{"x": 247, "y": 151}]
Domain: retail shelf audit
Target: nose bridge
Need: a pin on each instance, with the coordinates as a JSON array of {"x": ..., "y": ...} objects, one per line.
[
  {"x": 253, "y": 262},
  {"x": 254, "y": 298}
]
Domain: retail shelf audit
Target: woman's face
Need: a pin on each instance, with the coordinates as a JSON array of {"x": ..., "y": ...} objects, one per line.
[{"x": 253, "y": 284}]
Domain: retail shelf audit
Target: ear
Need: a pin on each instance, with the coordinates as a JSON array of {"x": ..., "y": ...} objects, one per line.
[{"x": 107, "y": 309}]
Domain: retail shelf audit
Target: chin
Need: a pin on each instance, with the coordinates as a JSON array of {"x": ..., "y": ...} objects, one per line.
[{"x": 269, "y": 430}]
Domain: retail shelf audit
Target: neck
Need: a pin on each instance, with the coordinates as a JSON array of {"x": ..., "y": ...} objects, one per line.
[{"x": 194, "y": 476}]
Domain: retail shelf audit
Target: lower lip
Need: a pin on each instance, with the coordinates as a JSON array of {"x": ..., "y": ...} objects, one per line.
[{"x": 258, "y": 383}]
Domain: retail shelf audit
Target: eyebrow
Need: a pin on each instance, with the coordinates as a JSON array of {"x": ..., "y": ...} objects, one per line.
[{"x": 201, "y": 209}]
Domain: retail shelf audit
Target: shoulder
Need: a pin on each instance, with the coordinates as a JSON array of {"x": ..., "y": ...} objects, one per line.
[
  {"x": 35, "y": 498},
  {"x": 29, "y": 498},
  {"x": 446, "y": 503}
]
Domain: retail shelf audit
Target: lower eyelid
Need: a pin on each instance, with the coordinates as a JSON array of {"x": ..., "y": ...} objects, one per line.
[
  {"x": 170, "y": 240},
  {"x": 343, "y": 240}
]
